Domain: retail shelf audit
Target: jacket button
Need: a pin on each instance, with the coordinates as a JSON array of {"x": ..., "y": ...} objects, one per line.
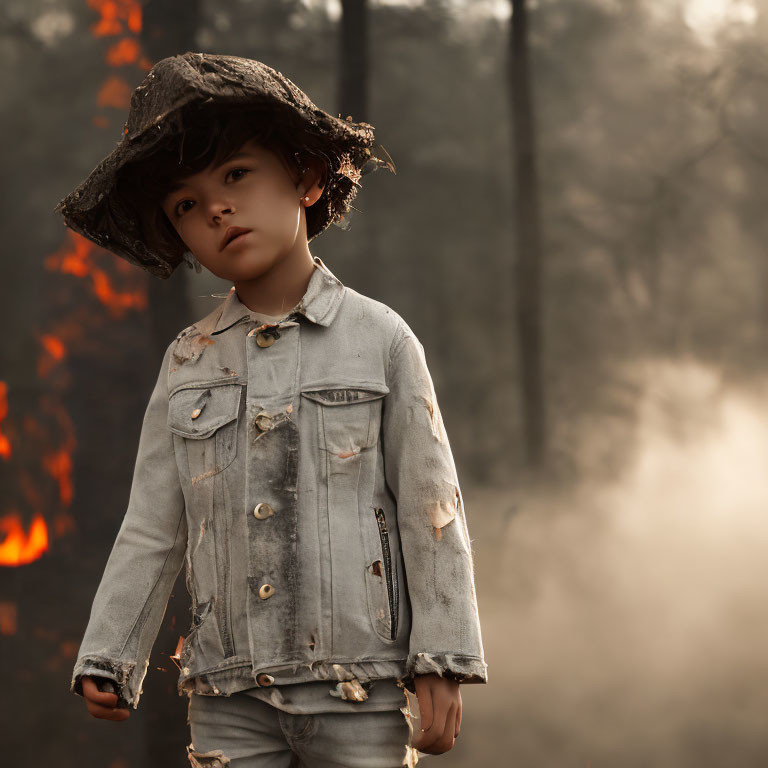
[
  {"x": 262, "y": 511},
  {"x": 265, "y": 679},
  {"x": 265, "y": 591},
  {"x": 264, "y": 340},
  {"x": 196, "y": 412},
  {"x": 263, "y": 421}
]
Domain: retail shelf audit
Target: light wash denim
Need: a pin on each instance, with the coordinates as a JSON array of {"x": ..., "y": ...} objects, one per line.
[
  {"x": 319, "y": 696},
  {"x": 301, "y": 473},
  {"x": 239, "y": 731}
]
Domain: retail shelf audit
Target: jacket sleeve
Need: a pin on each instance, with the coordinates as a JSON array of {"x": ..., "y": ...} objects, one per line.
[
  {"x": 145, "y": 560},
  {"x": 420, "y": 471}
]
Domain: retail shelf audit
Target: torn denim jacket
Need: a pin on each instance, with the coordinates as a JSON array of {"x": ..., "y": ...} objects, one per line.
[{"x": 302, "y": 474}]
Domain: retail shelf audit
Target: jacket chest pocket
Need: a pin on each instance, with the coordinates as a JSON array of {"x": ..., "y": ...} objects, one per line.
[
  {"x": 350, "y": 417},
  {"x": 207, "y": 418}
]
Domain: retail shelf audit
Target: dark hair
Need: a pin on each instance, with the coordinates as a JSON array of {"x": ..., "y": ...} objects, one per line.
[{"x": 214, "y": 133}]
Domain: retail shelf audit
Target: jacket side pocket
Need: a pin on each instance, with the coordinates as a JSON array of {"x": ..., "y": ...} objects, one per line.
[
  {"x": 390, "y": 572},
  {"x": 380, "y": 573}
]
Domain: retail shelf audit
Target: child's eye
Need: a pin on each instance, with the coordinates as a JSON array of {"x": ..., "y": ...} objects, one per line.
[
  {"x": 179, "y": 209},
  {"x": 235, "y": 170}
]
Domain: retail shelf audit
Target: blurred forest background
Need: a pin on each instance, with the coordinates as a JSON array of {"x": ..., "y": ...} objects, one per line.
[{"x": 577, "y": 233}]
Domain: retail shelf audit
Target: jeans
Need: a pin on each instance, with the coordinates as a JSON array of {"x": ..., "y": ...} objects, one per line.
[{"x": 240, "y": 731}]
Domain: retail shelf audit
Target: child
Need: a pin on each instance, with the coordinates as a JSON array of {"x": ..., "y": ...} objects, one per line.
[{"x": 292, "y": 455}]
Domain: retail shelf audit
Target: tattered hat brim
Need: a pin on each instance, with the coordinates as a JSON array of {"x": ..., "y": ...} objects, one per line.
[{"x": 156, "y": 112}]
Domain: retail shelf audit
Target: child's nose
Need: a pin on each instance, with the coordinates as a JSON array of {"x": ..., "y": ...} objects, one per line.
[{"x": 218, "y": 209}]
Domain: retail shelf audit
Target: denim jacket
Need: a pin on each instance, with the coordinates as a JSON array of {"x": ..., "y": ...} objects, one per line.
[{"x": 302, "y": 475}]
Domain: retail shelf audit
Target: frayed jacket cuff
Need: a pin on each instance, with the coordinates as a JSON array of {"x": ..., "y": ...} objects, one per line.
[
  {"x": 120, "y": 672},
  {"x": 464, "y": 669}
]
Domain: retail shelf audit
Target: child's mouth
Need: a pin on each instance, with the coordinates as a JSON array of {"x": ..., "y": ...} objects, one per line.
[{"x": 237, "y": 238}]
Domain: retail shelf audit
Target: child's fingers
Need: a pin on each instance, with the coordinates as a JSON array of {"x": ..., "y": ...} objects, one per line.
[
  {"x": 101, "y": 704},
  {"x": 426, "y": 708},
  {"x": 91, "y": 691},
  {"x": 106, "y": 712},
  {"x": 439, "y": 738},
  {"x": 458, "y": 717},
  {"x": 434, "y": 733},
  {"x": 448, "y": 736}
]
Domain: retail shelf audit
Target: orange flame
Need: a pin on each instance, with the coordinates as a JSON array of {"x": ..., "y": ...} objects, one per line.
[
  {"x": 59, "y": 466},
  {"x": 77, "y": 260},
  {"x": 63, "y": 524},
  {"x": 119, "y": 18},
  {"x": 55, "y": 351},
  {"x": 5, "y": 443},
  {"x": 114, "y": 14},
  {"x": 114, "y": 92},
  {"x": 53, "y": 346},
  {"x": 56, "y": 460},
  {"x": 7, "y": 618},
  {"x": 19, "y": 548},
  {"x": 124, "y": 52}
]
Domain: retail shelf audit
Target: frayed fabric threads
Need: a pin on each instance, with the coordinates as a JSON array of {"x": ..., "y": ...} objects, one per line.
[{"x": 192, "y": 262}]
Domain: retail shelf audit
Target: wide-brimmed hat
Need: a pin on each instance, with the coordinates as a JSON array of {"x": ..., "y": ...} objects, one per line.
[{"x": 94, "y": 210}]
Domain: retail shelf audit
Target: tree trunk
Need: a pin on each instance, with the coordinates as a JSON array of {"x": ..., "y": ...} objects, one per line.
[
  {"x": 528, "y": 238},
  {"x": 353, "y": 60},
  {"x": 352, "y": 100}
]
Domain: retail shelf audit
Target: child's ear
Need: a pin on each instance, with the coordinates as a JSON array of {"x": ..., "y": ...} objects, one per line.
[
  {"x": 321, "y": 173},
  {"x": 316, "y": 174}
]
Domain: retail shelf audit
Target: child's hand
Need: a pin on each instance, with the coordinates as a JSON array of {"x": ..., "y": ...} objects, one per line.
[
  {"x": 102, "y": 704},
  {"x": 440, "y": 706}
]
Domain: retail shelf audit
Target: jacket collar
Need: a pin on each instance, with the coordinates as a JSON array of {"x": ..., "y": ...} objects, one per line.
[{"x": 319, "y": 304}]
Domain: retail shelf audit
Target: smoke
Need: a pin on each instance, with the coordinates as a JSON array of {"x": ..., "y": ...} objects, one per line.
[{"x": 627, "y": 625}]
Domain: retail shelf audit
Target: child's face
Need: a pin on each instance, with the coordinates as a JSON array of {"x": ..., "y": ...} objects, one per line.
[{"x": 255, "y": 190}]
